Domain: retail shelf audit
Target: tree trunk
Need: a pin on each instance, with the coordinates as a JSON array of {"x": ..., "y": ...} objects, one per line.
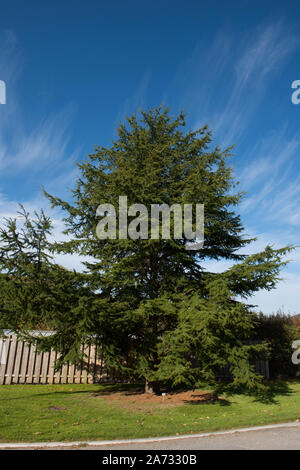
[{"x": 152, "y": 387}]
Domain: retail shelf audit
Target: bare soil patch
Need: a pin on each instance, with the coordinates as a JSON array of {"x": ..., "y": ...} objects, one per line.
[{"x": 140, "y": 399}]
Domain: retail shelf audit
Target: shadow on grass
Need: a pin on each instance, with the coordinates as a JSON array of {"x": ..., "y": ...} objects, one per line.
[
  {"x": 127, "y": 389},
  {"x": 267, "y": 394},
  {"x": 106, "y": 389},
  {"x": 270, "y": 391},
  {"x": 207, "y": 399}
]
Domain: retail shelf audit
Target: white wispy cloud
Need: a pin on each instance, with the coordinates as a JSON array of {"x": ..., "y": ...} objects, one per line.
[
  {"x": 224, "y": 83},
  {"x": 38, "y": 148},
  {"x": 272, "y": 179},
  {"x": 39, "y": 152},
  {"x": 258, "y": 57}
]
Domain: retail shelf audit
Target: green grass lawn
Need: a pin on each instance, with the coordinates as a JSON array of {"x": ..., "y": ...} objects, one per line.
[{"x": 90, "y": 412}]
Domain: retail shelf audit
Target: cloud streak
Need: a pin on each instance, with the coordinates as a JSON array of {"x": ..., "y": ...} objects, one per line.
[{"x": 259, "y": 58}]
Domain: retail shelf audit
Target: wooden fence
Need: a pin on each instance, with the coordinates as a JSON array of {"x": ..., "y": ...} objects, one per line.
[{"x": 21, "y": 363}]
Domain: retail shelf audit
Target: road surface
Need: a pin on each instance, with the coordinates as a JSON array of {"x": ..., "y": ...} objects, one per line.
[{"x": 280, "y": 437}]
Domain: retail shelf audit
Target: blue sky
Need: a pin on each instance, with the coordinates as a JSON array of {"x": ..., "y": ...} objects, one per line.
[{"x": 74, "y": 69}]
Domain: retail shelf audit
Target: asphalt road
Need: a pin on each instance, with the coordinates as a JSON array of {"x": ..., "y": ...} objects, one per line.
[
  {"x": 269, "y": 439},
  {"x": 277, "y": 438}
]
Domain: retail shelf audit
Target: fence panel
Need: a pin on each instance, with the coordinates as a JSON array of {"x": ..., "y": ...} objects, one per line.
[
  {"x": 22, "y": 363},
  {"x": 25, "y": 358},
  {"x": 12, "y": 345},
  {"x": 3, "y": 359}
]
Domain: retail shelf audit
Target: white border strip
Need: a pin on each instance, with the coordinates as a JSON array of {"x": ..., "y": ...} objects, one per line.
[{"x": 43, "y": 445}]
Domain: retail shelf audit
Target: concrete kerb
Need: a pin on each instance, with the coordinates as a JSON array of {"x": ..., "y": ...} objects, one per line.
[{"x": 48, "y": 445}]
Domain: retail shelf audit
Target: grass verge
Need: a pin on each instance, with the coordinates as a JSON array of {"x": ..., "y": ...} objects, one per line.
[{"x": 36, "y": 413}]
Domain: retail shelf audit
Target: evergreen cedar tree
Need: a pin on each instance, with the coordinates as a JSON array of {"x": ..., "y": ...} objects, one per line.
[
  {"x": 35, "y": 293},
  {"x": 151, "y": 306}
]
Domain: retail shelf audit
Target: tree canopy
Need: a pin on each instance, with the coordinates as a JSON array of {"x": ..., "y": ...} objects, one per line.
[
  {"x": 35, "y": 292},
  {"x": 151, "y": 304}
]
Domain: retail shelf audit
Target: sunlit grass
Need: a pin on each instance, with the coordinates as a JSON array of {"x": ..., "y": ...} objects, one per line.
[{"x": 86, "y": 412}]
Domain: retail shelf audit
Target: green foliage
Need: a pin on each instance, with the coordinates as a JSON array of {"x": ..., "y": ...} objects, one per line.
[
  {"x": 24, "y": 264},
  {"x": 36, "y": 293},
  {"x": 212, "y": 332},
  {"x": 278, "y": 332}
]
